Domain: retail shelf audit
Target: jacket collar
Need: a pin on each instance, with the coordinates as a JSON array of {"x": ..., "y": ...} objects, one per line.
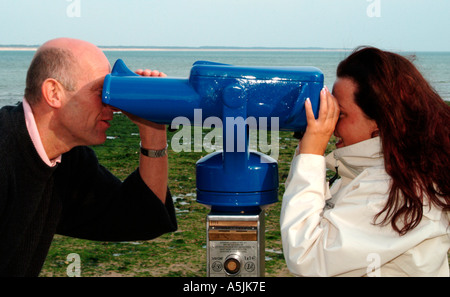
[{"x": 354, "y": 159}]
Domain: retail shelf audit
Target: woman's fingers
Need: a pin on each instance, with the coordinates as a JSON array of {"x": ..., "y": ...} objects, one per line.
[
  {"x": 323, "y": 111},
  {"x": 319, "y": 131},
  {"x": 310, "y": 118},
  {"x": 333, "y": 106},
  {"x": 328, "y": 112}
]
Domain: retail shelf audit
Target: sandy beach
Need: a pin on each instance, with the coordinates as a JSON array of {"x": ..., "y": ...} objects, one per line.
[{"x": 9, "y": 48}]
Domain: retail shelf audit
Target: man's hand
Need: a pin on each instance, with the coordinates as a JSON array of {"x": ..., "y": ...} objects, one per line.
[
  {"x": 148, "y": 129},
  {"x": 154, "y": 171},
  {"x": 149, "y": 72}
]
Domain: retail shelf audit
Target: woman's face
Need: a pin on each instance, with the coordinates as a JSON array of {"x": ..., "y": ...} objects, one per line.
[{"x": 353, "y": 125}]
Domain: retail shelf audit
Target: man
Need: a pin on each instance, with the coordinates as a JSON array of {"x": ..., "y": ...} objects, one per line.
[{"x": 51, "y": 182}]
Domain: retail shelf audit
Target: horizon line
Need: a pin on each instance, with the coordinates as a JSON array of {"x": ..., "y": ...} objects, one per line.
[
  {"x": 18, "y": 47},
  {"x": 22, "y": 47}
]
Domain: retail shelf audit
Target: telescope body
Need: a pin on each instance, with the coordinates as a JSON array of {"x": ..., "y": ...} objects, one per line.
[{"x": 231, "y": 179}]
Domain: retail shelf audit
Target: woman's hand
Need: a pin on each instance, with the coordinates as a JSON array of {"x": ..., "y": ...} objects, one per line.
[{"x": 318, "y": 132}]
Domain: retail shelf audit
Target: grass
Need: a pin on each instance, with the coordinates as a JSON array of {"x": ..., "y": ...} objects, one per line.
[{"x": 181, "y": 253}]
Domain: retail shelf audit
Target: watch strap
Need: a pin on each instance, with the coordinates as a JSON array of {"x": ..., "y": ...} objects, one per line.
[{"x": 154, "y": 153}]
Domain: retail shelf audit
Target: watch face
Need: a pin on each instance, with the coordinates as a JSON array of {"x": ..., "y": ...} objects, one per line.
[
  {"x": 160, "y": 153},
  {"x": 154, "y": 153}
]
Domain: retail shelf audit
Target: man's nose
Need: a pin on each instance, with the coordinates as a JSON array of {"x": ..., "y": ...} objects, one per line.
[{"x": 112, "y": 108}]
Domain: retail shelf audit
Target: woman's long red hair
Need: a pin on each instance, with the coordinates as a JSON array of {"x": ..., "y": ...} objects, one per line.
[{"x": 414, "y": 124}]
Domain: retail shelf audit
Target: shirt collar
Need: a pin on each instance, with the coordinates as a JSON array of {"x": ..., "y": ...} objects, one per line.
[{"x": 35, "y": 137}]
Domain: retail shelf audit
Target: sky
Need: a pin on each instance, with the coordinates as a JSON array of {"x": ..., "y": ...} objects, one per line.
[{"x": 400, "y": 25}]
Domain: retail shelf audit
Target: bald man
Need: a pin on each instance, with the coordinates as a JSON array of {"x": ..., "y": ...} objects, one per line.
[{"x": 51, "y": 182}]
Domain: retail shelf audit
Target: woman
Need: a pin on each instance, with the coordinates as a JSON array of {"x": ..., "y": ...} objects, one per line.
[{"x": 388, "y": 213}]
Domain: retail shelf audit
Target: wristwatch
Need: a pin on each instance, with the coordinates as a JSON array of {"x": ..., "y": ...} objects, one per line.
[{"x": 154, "y": 153}]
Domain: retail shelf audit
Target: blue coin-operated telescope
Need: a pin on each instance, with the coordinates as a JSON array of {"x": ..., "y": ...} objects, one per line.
[{"x": 236, "y": 183}]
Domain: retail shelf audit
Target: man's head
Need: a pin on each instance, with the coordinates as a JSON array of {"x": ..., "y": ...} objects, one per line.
[
  {"x": 56, "y": 63},
  {"x": 64, "y": 82}
]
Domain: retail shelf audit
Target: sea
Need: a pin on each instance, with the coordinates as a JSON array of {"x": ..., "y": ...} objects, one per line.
[{"x": 175, "y": 62}]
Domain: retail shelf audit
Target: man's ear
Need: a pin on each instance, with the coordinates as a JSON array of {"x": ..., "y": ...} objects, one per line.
[{"x": 52, "y": 92}]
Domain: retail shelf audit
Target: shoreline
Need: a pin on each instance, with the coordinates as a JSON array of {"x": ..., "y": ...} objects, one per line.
[
  {"x": 24, "y": 48},
  {"x": 192, "y": 49}
]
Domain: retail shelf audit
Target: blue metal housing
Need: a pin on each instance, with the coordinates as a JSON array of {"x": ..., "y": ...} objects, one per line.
[{"x": 233, "y": 179}]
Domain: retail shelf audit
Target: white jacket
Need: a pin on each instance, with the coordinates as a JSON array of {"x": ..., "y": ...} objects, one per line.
[{"x": 330, "y": 232}]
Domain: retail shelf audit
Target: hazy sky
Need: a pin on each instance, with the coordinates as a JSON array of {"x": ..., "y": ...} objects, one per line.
[{"x": 411, "y": 25}]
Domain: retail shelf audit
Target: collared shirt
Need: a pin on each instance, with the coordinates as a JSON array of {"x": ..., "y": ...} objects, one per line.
[{"x": 35, "y": 137}]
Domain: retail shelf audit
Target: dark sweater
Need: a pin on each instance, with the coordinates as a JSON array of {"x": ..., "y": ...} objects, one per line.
[{"x": 77, "y": 198}]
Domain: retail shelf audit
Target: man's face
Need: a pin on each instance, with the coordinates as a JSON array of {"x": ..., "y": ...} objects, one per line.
[{"x": 84, "y": 117}]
